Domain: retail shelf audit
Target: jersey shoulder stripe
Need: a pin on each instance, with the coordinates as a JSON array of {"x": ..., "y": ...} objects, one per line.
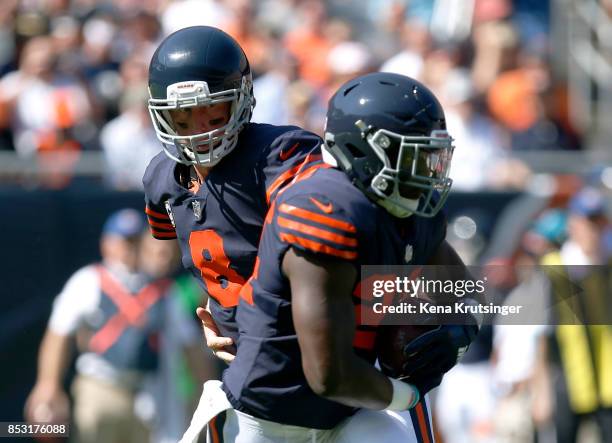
[
  {"x": 300, "y": 171},
  {"x": 156, "y": 182},
  {"x": 289, "y": 152},
  {"x": 301, "y": 224},
  {"x": 316, "y": 232},
  {"x": 311, "y": 216}
]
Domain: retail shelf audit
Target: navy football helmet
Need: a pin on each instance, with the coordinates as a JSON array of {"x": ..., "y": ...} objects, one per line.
[
  {"x": 199, "y": 66},
  {"x": 388, "y": 133}
]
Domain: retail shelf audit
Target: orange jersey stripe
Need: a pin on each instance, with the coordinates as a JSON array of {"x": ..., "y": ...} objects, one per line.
[
  {"x": 246, "y": 292},
  {"x": 316, "y": 232},
  {"x": 281, "y": 179},
  {"x": 160, "y": 225},
  {"x": 288, "y": 175},
  {"x": 156, "y": 214},
  {"x": 423, "y": 422},
  {"x": 301, "y": 175},
  {"x": 317, "y": 247},
  {"x": 313, "y": 216}
]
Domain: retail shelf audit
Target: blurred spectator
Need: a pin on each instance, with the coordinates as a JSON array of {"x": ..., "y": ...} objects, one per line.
[
  {"x": 66, "y": 36},
  {"x": 43, "y": 107},
  {"x": 416, "y": 44},
  {"x": 459, "y": 417},
  {"x": 271, "y": 88},
  {"x": 589, "y": 228},
  {"x": 492, "y": 10},
  {"x": 184, "y": 13},
  {"x": 128, "y": 141},
  {"x": 99, "y": 65},
  {"x": 495, "y": 45},
  {"x": 388, "y": 14},
  {"x": 138, "y": 33},
  {"x": 100, "y": 50},
  {"x": 47, "y": 110},
  {"x": 347, "y": 60},
  {"x": 278, "y": 15},
  {"x": 547, "y": 234},
  {"x": 245, "y": 30},
  {"x": 309, "y": 43},
  {"x": 477, "y": 151},
  {"x": 524, "y": 404},
  {"x": 522, "y": 100},
  {"x": 306, "y": 106},
  {"x": 115, "y": 313},
  {"x": 8, "y": 39},
  {"x": 452, "y": 19}
]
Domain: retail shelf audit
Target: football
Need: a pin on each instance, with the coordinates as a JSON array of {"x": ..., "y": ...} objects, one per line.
[{"x": 390, "y": 343}]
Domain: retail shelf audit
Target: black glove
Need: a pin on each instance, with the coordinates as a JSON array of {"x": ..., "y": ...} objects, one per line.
[{"x": 434, "y": 353}]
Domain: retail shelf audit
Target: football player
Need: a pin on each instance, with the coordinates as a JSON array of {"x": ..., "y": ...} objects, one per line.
[
  {"x": 213, "y": 183},
  {"x": 304, "y": 370}
]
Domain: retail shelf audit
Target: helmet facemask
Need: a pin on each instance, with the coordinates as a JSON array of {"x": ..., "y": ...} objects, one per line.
[
  {"x": 207, "y": 148},
  {"x": 415, "y": 168}
]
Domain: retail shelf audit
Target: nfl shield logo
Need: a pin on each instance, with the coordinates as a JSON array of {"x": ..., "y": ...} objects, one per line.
[
  {"x": 169, "y": 211},
  {"x": 197, "y": 209},
  {"x": 408, "y": 254}
]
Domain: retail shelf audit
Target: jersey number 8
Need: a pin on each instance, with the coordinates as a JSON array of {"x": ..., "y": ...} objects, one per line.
[{"x": 223, "y": 282}]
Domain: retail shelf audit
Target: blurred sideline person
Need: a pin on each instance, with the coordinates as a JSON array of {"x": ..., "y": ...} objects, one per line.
[
  {"x": 523, "y": 402},
  {"x": 183, "y": 364},
  {"x": 218, "y": 174},
  {"x": 115, "y": 312},
  {"x": 304, "y": 370},
  {"x": 128, "y": 141},
  {"x": 579, "y": 365}
]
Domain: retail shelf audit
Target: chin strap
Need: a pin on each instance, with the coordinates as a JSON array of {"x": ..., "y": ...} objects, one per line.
[{"x": 397, "y": 211}]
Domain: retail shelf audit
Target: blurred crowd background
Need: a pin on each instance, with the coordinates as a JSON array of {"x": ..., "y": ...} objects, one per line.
[
  {"x": 73, "y": 76},
  {"x": 527, "y": 89}
]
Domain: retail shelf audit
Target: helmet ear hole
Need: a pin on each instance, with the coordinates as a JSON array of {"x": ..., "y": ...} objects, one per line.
[
  {"x": 354, "y": 150},
  {"x": 348, "y": 90}
]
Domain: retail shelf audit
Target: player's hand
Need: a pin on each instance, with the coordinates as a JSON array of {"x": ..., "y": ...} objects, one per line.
[
  {"x": 434, "y": 353},
  {"x": 216, "y": 343},
  {"x": 47, "y": 404}
]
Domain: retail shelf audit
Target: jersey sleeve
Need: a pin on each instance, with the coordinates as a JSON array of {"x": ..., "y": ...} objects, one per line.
[
  {"x": 292, "y": 155},
  {"x": 315, "y": 224},
  {"x": 160, "y": 222}
]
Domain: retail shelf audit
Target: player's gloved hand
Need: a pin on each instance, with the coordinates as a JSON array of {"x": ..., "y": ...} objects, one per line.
[
  {"x": 434, "y": 353},
  {"x": 216, "y": 343}
]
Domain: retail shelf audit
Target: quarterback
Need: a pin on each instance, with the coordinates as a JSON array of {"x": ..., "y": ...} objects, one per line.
[{"x": 212, "y": 185}]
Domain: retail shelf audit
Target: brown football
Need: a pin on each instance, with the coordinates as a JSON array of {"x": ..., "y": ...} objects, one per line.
[{"x": 390, "y": 343}]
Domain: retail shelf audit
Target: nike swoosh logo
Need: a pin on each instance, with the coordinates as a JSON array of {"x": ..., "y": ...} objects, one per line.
[
  {"x": 328, "y": 208},
  {"x": 284, "y": 155}
]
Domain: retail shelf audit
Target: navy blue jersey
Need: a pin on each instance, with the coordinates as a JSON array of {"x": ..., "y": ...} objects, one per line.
[
  {"x": 218, "y": 227},
  {"x": 326, "y": 215}
]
